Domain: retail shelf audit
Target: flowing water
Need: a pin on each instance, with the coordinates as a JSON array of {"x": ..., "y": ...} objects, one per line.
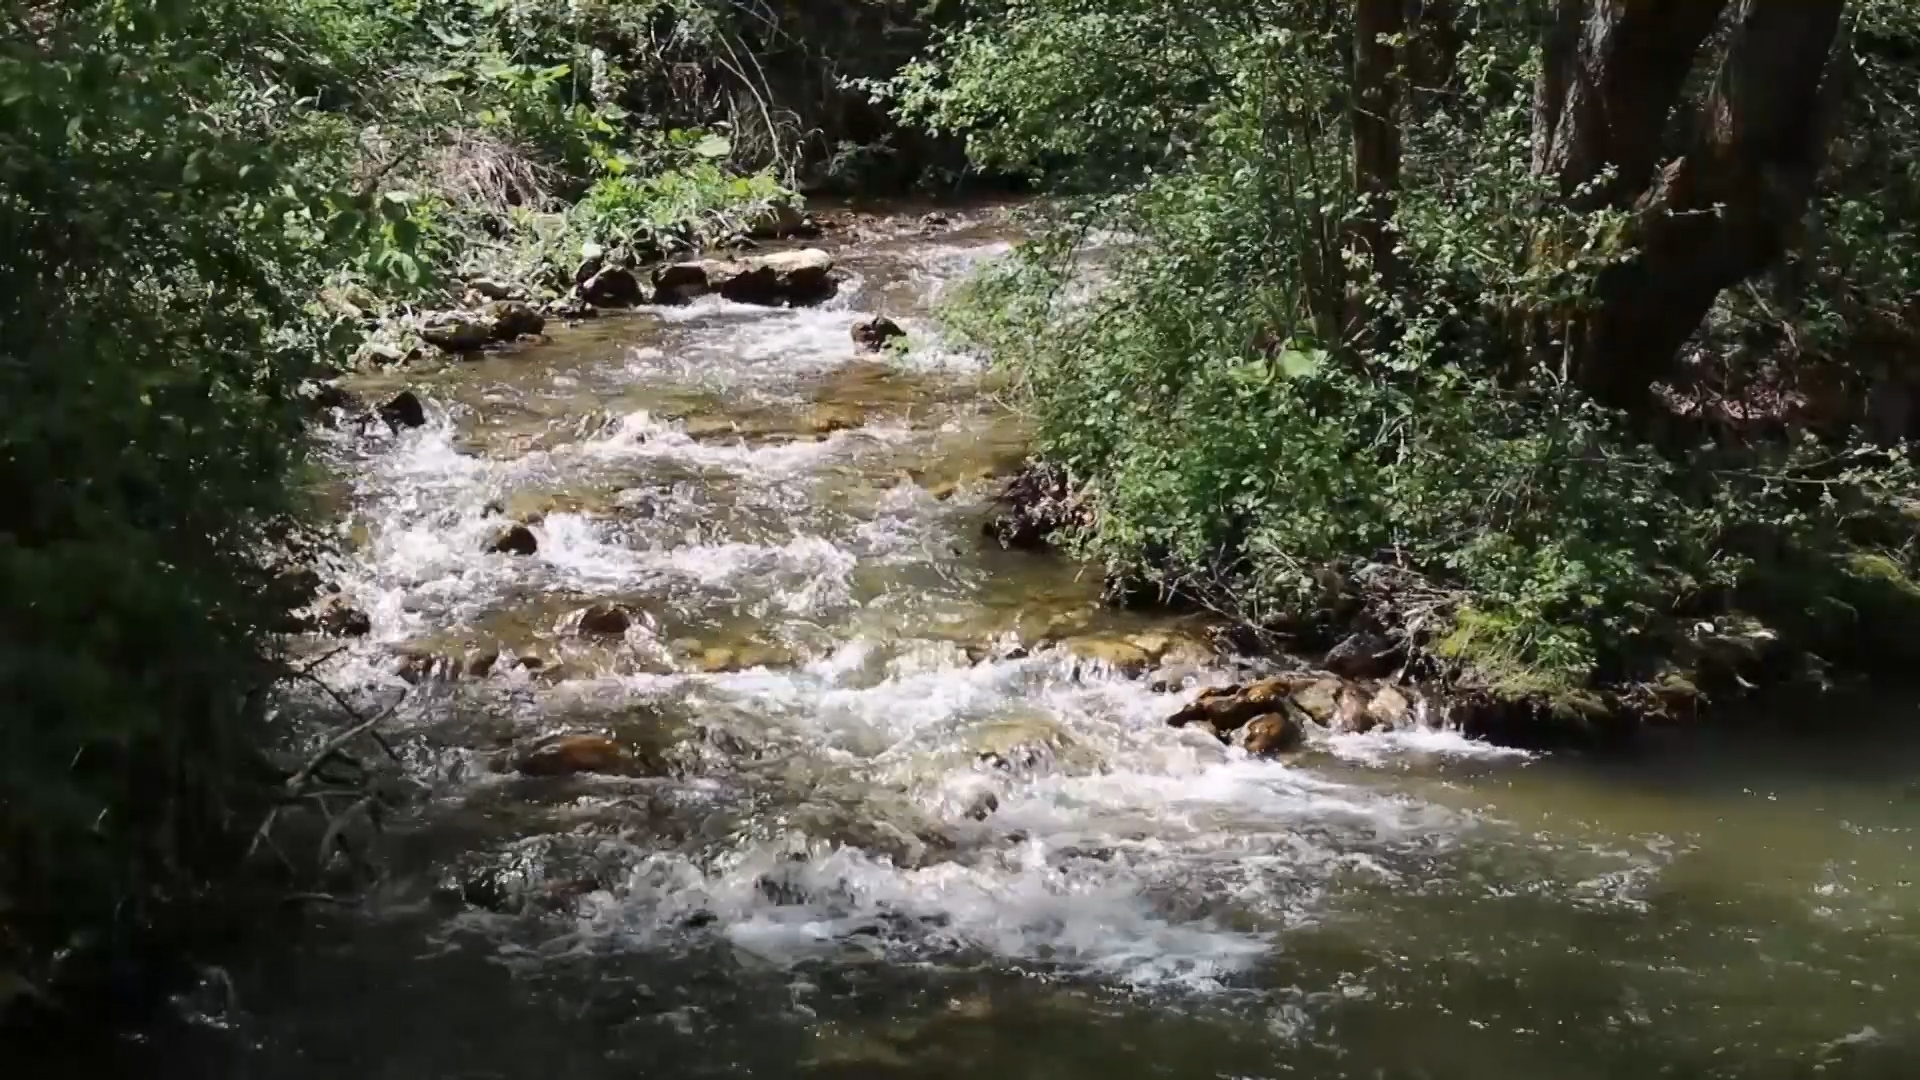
[{"x": 891, "y": 815}]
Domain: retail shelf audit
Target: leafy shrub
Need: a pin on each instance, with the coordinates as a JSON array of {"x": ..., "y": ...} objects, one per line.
[
  {"x": 1263, "y": 421},
  {"x": 151, "y": 447}
]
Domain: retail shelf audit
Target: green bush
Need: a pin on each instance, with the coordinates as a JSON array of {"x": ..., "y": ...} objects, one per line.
[
  {"x": 162, "y": 253},
  {"x": 1260, "y": 421}
]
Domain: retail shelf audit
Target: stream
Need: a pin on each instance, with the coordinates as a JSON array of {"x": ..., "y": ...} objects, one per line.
[{"x": 886, "y": 806}]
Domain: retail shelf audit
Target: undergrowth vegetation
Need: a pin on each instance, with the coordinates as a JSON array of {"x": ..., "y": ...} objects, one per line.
[
  {"x": 1319, "y": 329},
  {"x": 204, "y": 201}
]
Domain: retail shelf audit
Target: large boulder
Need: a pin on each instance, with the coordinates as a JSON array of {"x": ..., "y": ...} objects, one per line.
[
  {"x": 797, "y": 278},
  {"x": 1351, "y": 716},
  {"x": 1390, "y": 709}
]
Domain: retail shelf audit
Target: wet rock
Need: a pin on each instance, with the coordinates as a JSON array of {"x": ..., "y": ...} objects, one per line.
[
  {"x": 534, "y": 507},
  {"x": 1022, "y": 745},
  {"x": 1229, "y": 708},
  {"x": 1319, "y": 699},
  {"x": 1117, "y": 653},
  {"x": 613, "y": 287},
  {"x": 681, "y": 282},
  {"x": 457, "y": 333},
  {"x": 511, "y": 319},
  {"x": 404, "y": 410},
  {"x": 1363, "y": 655},
  {"x": 606, "y": 620},
  {"x": 338, "y": 618},
  {"x": 1173, "y": 648},
  {"x": 1390, "y": 709},
  {"x": 935, "y": 222},
  {"x": 1272, "y": 733},
  {"x": 482, "y": 661},
  {"x": 796, "y": 278},
  {"x": 743, "y": 658},
  {"x": 1350, "y": 714},
  {"x": 876, "y": 333},
  {"x": 1037, "y": 503},
  {"x": 572, "y": 755},
  {"x": 514, "y": 540}
]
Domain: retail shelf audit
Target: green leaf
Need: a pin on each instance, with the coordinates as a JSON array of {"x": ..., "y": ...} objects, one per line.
[{"x": 713, "y": 146}]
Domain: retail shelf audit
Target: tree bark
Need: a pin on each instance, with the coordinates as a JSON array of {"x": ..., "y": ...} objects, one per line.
[
  {"x": 1376, "y": 126},
  {"x": 1611, "y": 73},
  {"x": 1725, "y": 209}
]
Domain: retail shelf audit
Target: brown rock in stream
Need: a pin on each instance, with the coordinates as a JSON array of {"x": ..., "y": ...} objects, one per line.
[
  {"x": 1271, "y": 734},
  {"x": 572, "y": 755},
  {"x": 1319, "y": 699},
  {"x": 1228, "y": 708},
  {"x": 1390, "y": 709},
  {"x": 798, "y": 278},
  {"x": 1350, "y": 715}
]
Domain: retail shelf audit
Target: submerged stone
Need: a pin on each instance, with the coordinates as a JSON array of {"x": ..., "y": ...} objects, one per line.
[
  {"x": 571, "y": 755},
  {"x": 606, "y": 620},
  {"x": 514, "y": 540}
]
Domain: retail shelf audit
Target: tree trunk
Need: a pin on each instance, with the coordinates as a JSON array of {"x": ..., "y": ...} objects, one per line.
[
  {"x": 1376, "y": 126},
  {"x": 1725, "y": 209},
  {"x": 1613, "y": 71}
]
